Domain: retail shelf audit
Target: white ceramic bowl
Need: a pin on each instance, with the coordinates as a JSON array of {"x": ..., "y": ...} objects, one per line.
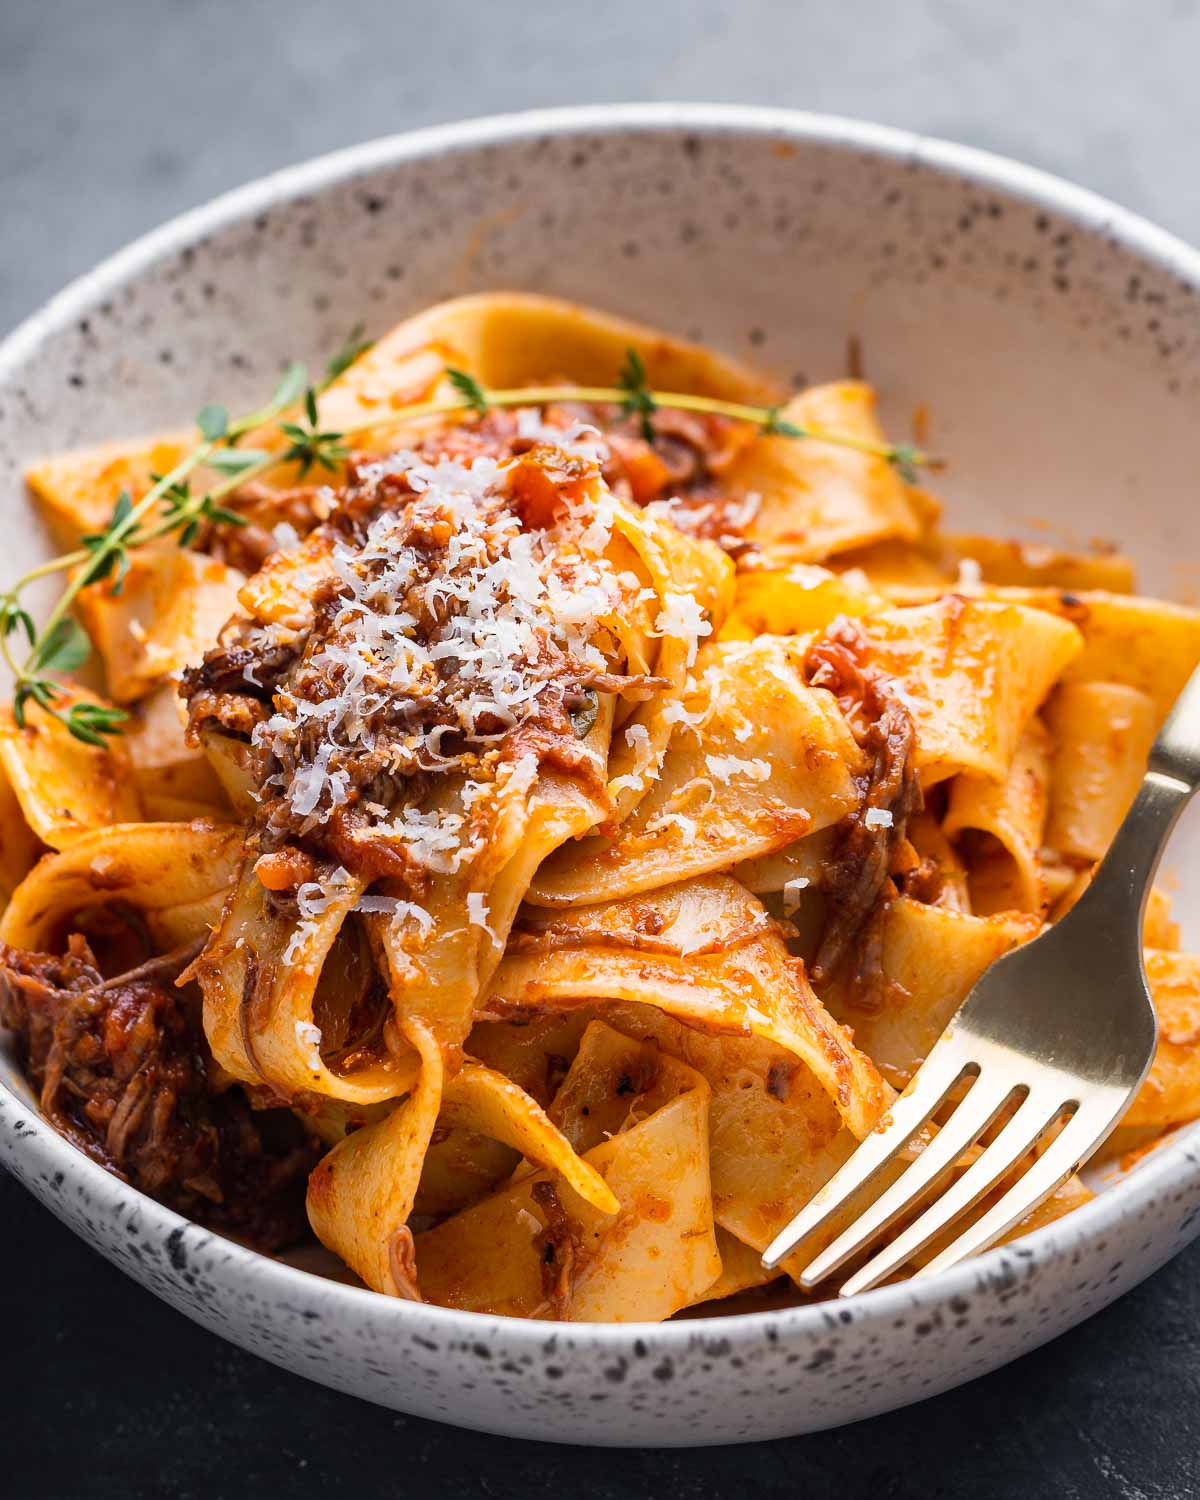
[{"x": 1053, "y": 337}]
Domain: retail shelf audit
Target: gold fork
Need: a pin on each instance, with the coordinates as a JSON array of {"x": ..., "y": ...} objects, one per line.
[{"x": 1062, "y": 1028}]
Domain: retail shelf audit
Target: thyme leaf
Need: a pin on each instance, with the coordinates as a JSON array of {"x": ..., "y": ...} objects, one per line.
[
  {"x": 108, "y": 548},
  {"x": 291, "y": 385},
  {"x": 235, "y": 460},
  {"x": 63, "y": 648},
  {"x": 777, "y": 425},
  {"x": 583, "y": 716},
  {"x": 13, "y": 617},
  {"x": 469, "y": 388},
  {"x": 90, "y": 722},
  {"x": 354, "y": 347},
  {"x": 638, "y": 400},
  {"x": 906, "y": 459},
  {"x": 213, "y": 422}
]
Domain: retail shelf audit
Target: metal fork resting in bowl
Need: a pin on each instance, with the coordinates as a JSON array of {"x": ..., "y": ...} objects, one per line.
[{"x": 1062, "y": 1027}]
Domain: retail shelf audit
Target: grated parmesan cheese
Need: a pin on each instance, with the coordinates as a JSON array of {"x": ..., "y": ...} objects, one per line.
[
  {"x": 630, "y": 783},
  {"x": 478, "y": 913},
  {"x": 399, "y": 911},
  {"x": 877, "y": 817},
  {"x": 313, "y": 900},
  {"x": 726, "y": 767},
  {"x": 285, "y": 537},
  {"x": 682, "y": 618},
  {"x": 578, "y": 440},
  {"x": 309, "y": 1037},
  {"x": 675, "y": 713},
  {"x": 665, "y": 820},
  {"x": 808, "y": 576},
  {"x": 791, "y": 893}
]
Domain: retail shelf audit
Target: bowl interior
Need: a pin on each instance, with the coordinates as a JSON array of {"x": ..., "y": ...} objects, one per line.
[{"x": 1049, "y": 339}]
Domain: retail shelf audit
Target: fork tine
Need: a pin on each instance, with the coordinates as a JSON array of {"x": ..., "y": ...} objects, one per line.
[
  {"x": 1035, "y": 1113},
  {"x": 964, "y": 1127},
  {"x": 942, "y": 1069},
  {"x": 1086, "y": 1128}
]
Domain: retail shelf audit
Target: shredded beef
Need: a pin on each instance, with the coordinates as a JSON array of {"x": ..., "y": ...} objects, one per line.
[
  {"x": 235, "y": 713},
  {"x": 224, "y": 669},
  {"x": 683, "y": 468},
  {"x": 924, "y": 881},
  {"x": 558, "y": 1248},
  {"x": 263, "y": 509},
  {"x": 858, "y": 877},
  {"x": 122, "y": 1070}
]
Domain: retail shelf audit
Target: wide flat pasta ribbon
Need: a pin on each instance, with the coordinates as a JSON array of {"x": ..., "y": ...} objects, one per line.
[
  {"x": 175, "y": 782},
  {"x": 20, "y": 847},
  {"x": 1171, "y": 1093},
  {"x": 638, "y": 1118},
  {"x": 281, "y": 592},
  {"x": 815, "y": 498},
  {"x": 1034, "y": 564},
  {"x": 972, "y": 673},
  {"x": 1147, "y": 644},
  {"x": 175, "y": 876},
  {"x": 800, "y": 865},
  {"x": 931, "y": 958},
  {"x": 64, "y": 787},
  {"x": 1006, "y": 873},
  {"x": 705, "y": 952},
  {"x": 171, "y": 607},
  {"x": 511, "y": 339},
  {"x": 79, "y": 490},
  {"x": 775, "y": 1135},
  {"x": 796, "y": 599},
  {"x": 693, "y": 585},
  {"x": 1102, "y": 732},
  {"x": 360, "y": 1195},
  {"x": 758, "y": 761},
  {"x": 259, "y": 974},
  {"x": 438, "y": 973},
  {"x": 482, "y": 1101}
]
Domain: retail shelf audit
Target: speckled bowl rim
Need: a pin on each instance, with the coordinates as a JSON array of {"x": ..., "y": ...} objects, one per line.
[{"x": 1174, "y": 1165}]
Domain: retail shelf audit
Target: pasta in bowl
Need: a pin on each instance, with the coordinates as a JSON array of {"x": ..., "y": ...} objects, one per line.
[{"x": 551, "y": 789}]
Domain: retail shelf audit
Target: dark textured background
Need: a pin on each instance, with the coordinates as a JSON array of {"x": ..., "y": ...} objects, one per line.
[{"x": 115, "y": 114}]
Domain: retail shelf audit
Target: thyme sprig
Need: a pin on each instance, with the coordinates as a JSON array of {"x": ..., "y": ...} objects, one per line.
[
  {"x": 309, "y": 444},
  {"x": 172, "y": 508},
  {"x": 638, "y": 400},
  {"x": 469, "y": 388},
  {"x": 634, "y": 397}
]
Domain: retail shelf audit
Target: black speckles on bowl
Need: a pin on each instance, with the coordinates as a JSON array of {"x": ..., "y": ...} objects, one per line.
[{"x": 1023, "y": 313}]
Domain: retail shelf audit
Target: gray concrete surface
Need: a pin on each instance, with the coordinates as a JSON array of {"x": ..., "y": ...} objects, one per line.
[{"x": 115, "y": 114}]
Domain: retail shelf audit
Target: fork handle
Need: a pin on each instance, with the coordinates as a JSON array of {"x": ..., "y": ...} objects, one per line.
[
  {"x": 1121, "y": 884},
  {"x": 1176, "y": 749}
]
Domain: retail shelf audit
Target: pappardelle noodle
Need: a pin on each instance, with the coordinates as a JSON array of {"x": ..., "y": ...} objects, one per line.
[{"x": 545, "y": 833}]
